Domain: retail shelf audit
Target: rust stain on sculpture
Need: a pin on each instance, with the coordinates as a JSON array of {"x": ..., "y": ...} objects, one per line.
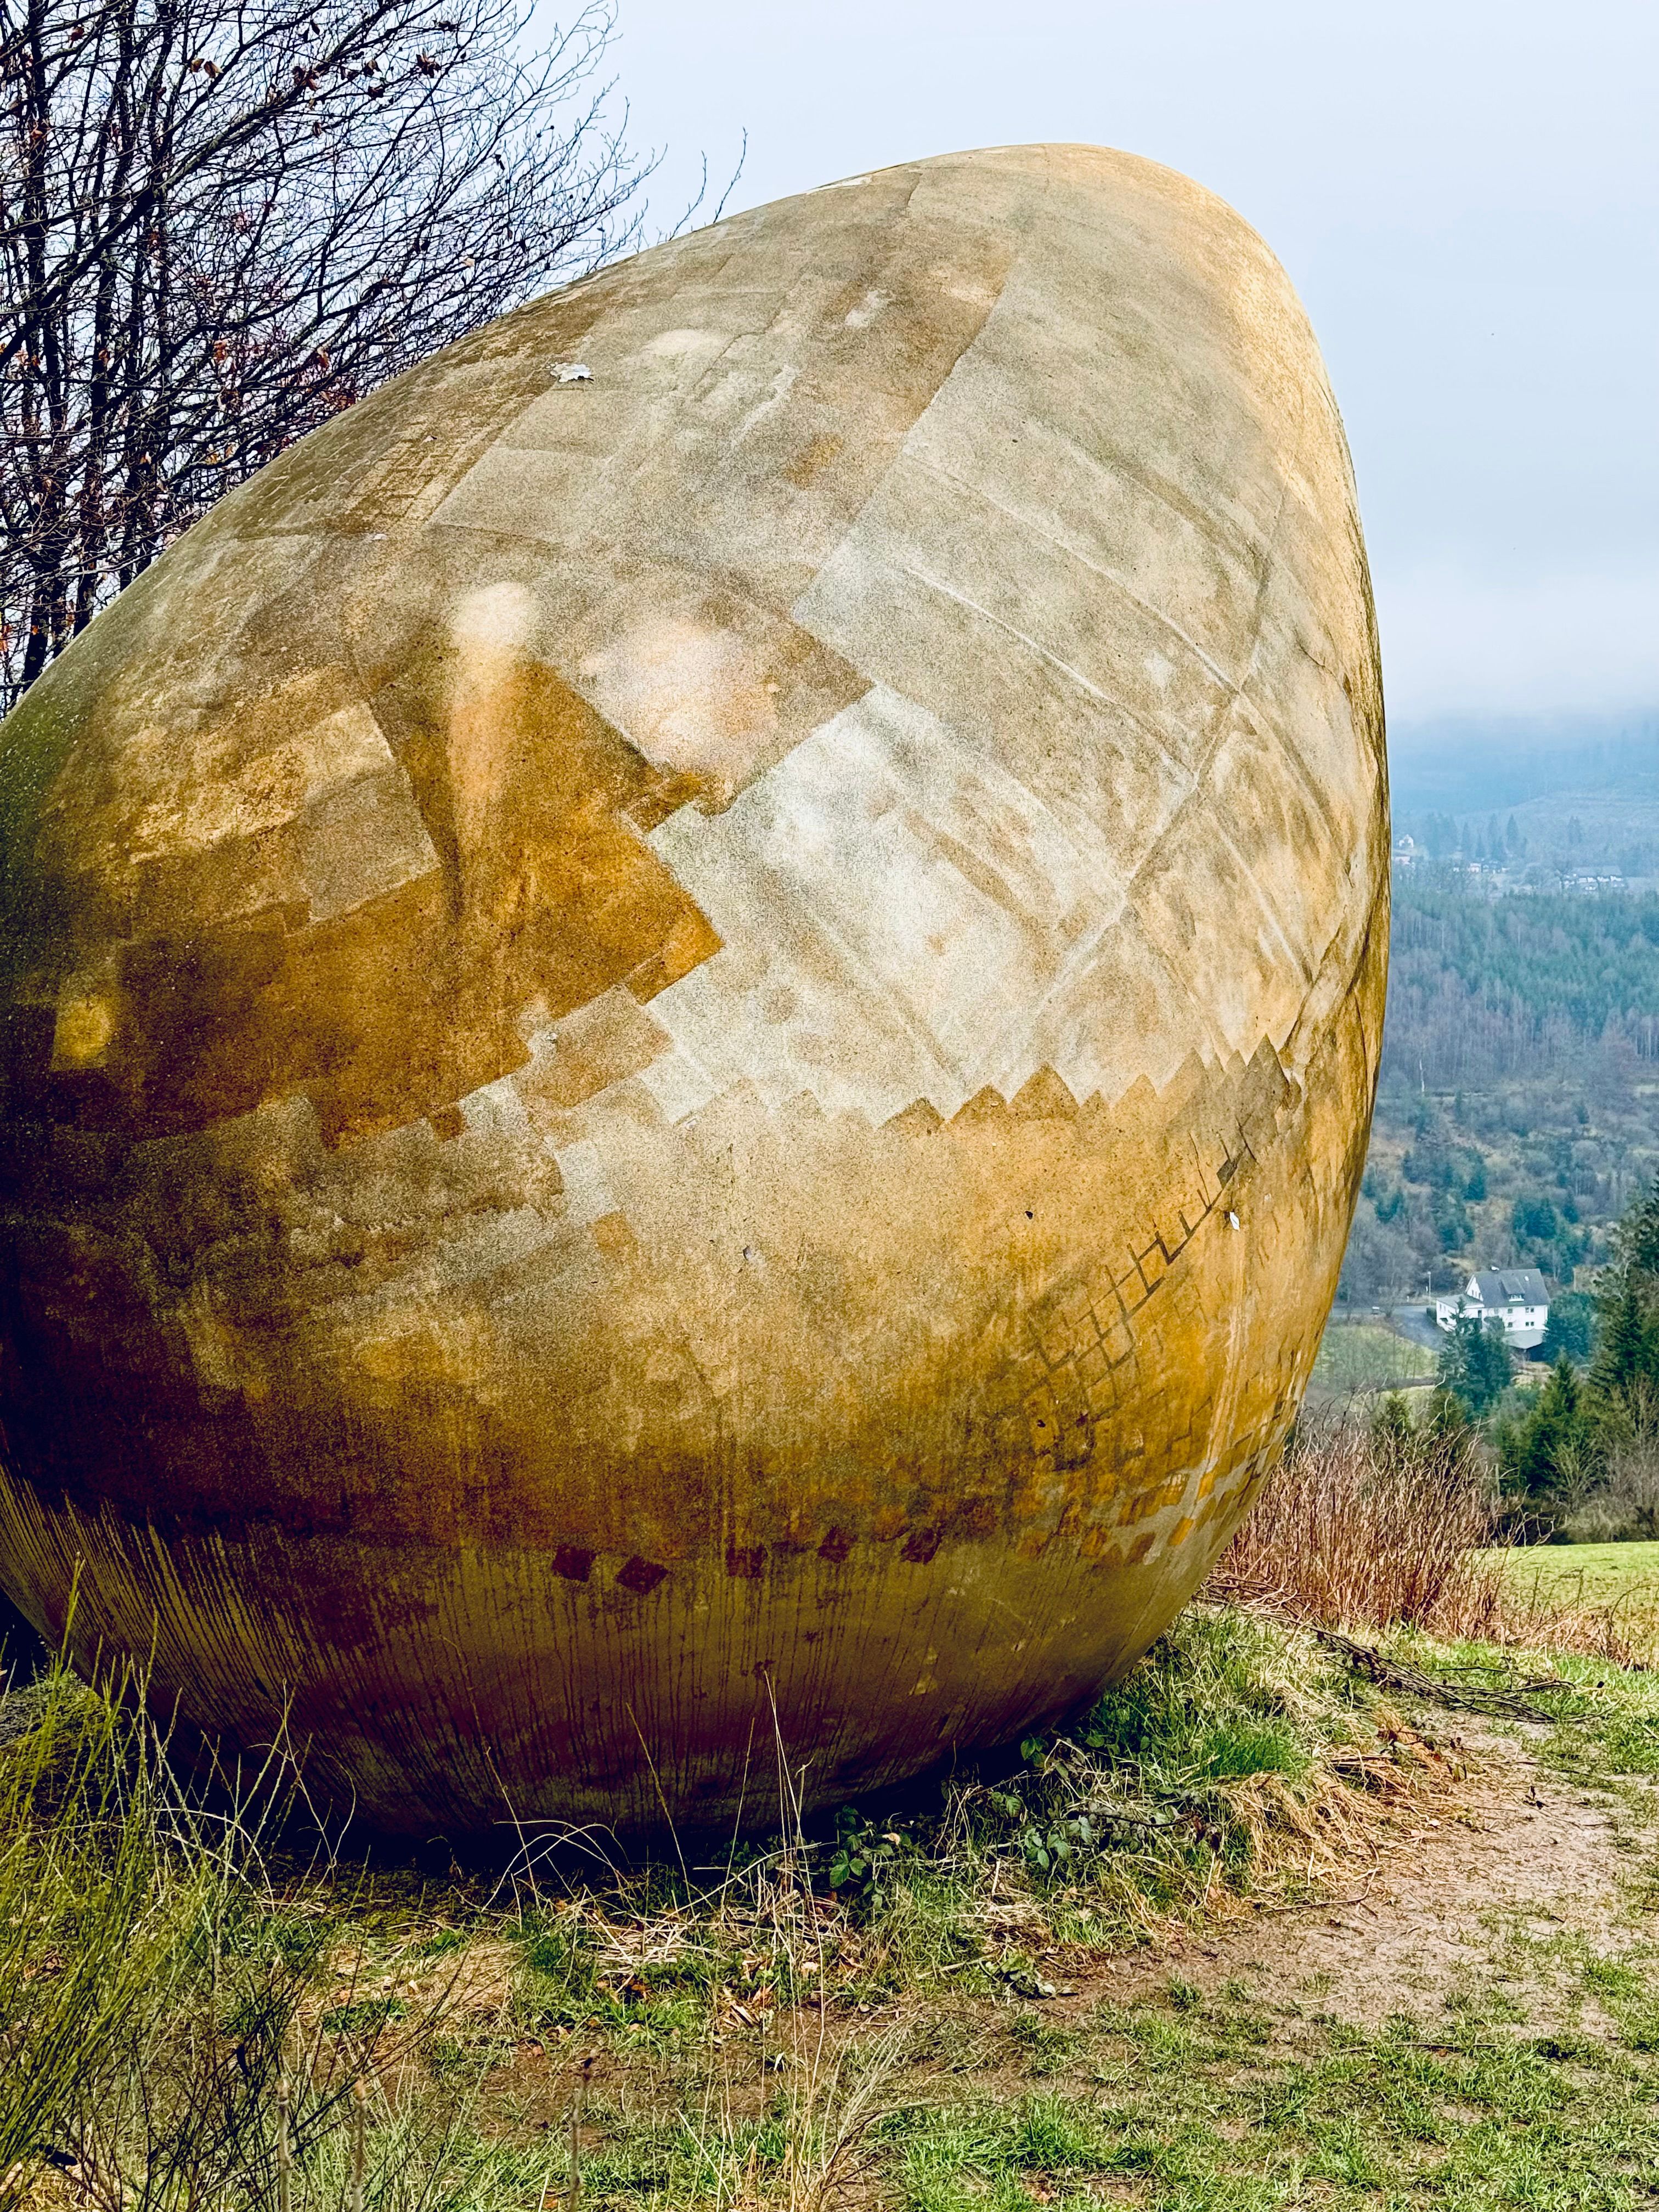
[{"x": 705, "y": 1037}]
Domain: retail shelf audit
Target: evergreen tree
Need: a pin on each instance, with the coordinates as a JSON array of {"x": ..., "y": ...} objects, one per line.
[
  {"x": 1627, "y": 1308},
  {"x": 1474, "y": 1365},
  {"x": 1533, "y": 1220},
  {"x": 1547, "y": 1454},
  {"x": 1627, "y": 1351},
  {"x": 1447, "y": 1422},
  {"x": 1394, "y": 1440},
  {"x": 1638, "y": 1234},
  {"x": 1569, "y": 1332}
]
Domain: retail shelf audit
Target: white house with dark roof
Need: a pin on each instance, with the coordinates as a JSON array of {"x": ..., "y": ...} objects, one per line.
[{"x": 1519, "y": 1297}]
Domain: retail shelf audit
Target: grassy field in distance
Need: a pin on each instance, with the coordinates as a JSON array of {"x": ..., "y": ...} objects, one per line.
[
  {"x": 1366, "y": 1356},
  {"x": 1601, "y": 1571},
  {"x": 1620, "y": 1580}
]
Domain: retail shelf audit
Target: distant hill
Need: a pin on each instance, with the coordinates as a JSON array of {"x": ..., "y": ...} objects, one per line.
[
  {"x": 1467, "y": 765},
  {"x": 1518, "y": 1107},
  {"x": 1583, "y": 792}
]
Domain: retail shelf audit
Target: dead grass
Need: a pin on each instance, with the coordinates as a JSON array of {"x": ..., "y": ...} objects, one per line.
[{"x": 1352, "y": 1535}]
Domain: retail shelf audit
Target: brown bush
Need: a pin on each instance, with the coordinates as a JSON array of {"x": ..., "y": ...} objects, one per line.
[
  {"x": 1349, "y": 1535},
  {"x": 1356, "y": 1533}
]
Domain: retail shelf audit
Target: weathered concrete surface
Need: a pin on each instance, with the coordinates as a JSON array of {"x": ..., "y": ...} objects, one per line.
[{"x": 698, "y": 1044}]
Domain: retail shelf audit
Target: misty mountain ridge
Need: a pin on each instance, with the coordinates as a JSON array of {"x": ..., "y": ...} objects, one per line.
[
  {"x": 1476, "y": 764},
  {"x": 1570, "y": 792}
]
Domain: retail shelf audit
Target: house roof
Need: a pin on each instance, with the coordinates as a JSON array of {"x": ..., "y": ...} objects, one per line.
[{"x": 1511, "y": 1286}]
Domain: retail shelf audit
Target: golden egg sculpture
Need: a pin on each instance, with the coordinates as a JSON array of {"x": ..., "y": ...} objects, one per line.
[{"x": 691, "y": 1010}]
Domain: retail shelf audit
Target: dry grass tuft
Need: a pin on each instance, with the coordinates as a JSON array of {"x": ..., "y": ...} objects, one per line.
[
  {"x": 1347, "y": 1536},
  {"x": 1352, "y": 1534}
]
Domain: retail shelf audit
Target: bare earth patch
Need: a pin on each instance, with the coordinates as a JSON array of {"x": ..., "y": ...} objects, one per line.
[{"x": 1522, "y": 1846}]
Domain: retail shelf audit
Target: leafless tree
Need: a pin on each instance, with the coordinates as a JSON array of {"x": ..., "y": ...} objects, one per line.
[{"x": 223, "y": 220}]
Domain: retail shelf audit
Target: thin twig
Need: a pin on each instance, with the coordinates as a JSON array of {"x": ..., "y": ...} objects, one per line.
[
  {"x": 1400, "y": 1674},
  {"x": 1314, "y": 1904},
  {"x": 357, "y": 2158},
  {"x": 285, "y": 2153}
]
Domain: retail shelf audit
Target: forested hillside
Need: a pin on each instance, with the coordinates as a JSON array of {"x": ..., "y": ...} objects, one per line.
[
  {"x": 1518, "y": 1107},
  {"x": 1481, "y": 990}
]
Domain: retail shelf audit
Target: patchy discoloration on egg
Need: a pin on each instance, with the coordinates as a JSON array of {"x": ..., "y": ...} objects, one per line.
[{"x": 696, "y": 1045}]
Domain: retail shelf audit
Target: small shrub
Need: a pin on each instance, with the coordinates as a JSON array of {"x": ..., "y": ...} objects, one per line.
[
  {"x": 1393, "y": 1528},
  {"x": 1362, "y": 1531}
]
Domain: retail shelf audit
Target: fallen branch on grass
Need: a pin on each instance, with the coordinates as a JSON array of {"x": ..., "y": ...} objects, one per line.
[
  {"x": 1312, "y": 1903},
  {"x": 1507, "y": 1701},
  {"x": 1114, "y": 1817}
]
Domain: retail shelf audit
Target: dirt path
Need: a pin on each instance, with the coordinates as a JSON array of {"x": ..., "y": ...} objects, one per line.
[{"x": 1522, "y": 1847}]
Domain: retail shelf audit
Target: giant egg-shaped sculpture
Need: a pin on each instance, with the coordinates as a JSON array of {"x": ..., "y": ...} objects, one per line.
[{"x": 688, "y": 1048}]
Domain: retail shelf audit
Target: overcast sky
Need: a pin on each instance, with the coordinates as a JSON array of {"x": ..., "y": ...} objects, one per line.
[{"x": 1466, "y": 194}]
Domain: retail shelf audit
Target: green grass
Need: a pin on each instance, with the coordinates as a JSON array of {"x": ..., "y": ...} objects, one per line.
[
  {"x": 1621, "y": 1580},
  {"x": 1234, "y": 2102},
  {"x": 1531, "y": 2081},
  {"x": 160, "y": 1971},
  {"x": 946, "y": 2072},
  {"x": 159, "y": 1989},
  {"x": 1599, "y": 1572},
  {"x": 1182, "y": 2103},
  {"x": 1222, "y": 2110},
  {"x": 1362, "y": 1356}
]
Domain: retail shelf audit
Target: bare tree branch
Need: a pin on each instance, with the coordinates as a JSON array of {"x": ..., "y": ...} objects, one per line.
[{"x": 223, "y": 220}]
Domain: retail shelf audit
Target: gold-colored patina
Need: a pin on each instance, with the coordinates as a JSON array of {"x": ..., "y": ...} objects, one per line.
[{"x": 688, "y": 1050}]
